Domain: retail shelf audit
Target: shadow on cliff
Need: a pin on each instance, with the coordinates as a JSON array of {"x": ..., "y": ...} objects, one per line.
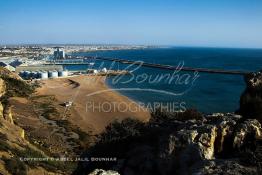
[{"x": 184, "y": 143}]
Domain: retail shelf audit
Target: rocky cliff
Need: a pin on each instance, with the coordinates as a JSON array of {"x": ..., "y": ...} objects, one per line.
[
  {"x": 5, "y": 109},
  {"x": 218, "y": 143},
  {"x": 251, "y": 99}
]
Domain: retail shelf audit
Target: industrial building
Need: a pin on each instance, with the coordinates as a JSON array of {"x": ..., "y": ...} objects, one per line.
[{"x": 58, "y": 53}]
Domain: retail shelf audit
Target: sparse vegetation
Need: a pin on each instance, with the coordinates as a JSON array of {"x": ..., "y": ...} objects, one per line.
[
  {"x": 159, "y": 116},
  {"x": 121, "y": 130},
  {"x": 15, "y": 166},
  {"x": 85, "y": 139},
  {"x": 16, "y": 87},
  {"x": 3, "y": 137},
  {"x": 45, "y": 104},
  {"x": 3, "y": 145}
]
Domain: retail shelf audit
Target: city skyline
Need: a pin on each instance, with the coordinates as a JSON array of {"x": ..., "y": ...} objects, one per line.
[{"x": 176, "y": 23}]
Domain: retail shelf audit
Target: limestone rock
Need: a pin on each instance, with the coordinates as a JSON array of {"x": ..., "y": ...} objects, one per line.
[
  {"x": 247, "y": 131},
  {"x": 254, "y": 81},
  {"x": 217, "y": 142},
  {"x": 2, "y": 87},
  {"x": 225, "y": 130},
  {"x": 8, "y": 114},
  {"x": 206, "y": 142},
  {"x": 1, "y": 110},
  {"x": 22, "y": 135},
  {"x": 104, "y": 172},
  {"x": 225, "y": 167},
  {"x": 2, "y": 92},
  {"x": 251, "y": 99}
]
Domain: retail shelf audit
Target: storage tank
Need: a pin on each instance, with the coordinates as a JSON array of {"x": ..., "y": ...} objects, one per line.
[
  {"x": 27, "y": 74},
  {"x": 22, "y": 74},
  {"x": 53, "y": 74},
  {"x": 34, "y": 74},
  {"x": 31, "y": 75},
  {"x": 50, "y": 73},
  {"x": 39, "y": 74},
  {"x": 44, "y": 75},
  {"x": 63, "y": 73}
]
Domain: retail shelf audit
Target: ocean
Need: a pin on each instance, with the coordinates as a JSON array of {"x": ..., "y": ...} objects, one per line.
[{"x": 208, "y": 93}]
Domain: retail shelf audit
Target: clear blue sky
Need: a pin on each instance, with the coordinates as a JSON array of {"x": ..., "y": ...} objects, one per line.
[{"x": 222, "y": 23}]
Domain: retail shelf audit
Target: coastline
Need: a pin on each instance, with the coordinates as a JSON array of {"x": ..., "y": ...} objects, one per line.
[{"x": 95, "y": 104}]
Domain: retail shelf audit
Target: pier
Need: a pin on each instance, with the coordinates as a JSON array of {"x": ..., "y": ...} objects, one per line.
[{"x": 169, "y": 67}]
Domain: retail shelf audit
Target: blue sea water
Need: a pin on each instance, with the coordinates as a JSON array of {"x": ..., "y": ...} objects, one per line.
[{"x": 208, "y": 93}]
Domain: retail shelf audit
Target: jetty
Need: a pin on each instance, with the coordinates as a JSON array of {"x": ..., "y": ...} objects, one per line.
[{"x": 170, "y": 67}]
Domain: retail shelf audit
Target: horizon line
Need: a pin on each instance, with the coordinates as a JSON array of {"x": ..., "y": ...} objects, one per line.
[{"x": 148, "y": 45}]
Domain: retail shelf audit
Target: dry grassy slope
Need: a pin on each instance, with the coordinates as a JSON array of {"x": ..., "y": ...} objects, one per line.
[
  {"x": 12, "y": 142},
  {"x": 8, "y": 73}
]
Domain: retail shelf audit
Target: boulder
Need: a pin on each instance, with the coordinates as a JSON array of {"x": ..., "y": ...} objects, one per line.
[
  {"x": 103, "y": 172},
  {"x": 251, "y": 99},
  {"x": 246, "y": 134}
]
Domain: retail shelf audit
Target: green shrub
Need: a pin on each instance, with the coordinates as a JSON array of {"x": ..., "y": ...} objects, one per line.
[{"x": 121, "y": 130}]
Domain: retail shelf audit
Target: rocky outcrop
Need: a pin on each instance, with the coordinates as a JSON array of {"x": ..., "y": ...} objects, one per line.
[
  {"x": 1, "y": 110},
  {"x": 6, "y": 111},
  {"x": 103, "y": 172},
  {"x": 8, "y": 73},
  {"x": 225, "y": 167},
  {"x": 2, "y": 92},
  {"x": 2, "y": 87},
  {"x": 251, "y": 99},
  {"x": 218, "y": 141},
  {"x": 8, "y": 114},
  {"x": 247, "y": 131}
]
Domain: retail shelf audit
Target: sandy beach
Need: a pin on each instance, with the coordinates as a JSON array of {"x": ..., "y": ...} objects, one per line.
[{"x": 95, "y": 105}]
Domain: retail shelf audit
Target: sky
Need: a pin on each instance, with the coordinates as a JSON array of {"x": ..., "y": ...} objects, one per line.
[{"x": 210, "y": 23}]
